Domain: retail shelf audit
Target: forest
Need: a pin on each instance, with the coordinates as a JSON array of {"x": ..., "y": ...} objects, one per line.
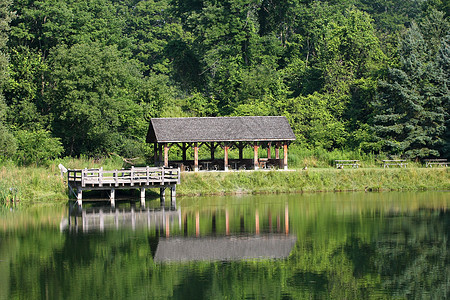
[{"x": 83, "y": 77}]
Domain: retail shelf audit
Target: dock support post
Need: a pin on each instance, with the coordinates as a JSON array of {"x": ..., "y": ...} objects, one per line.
[
  {"x": 80, "y": 197},
  {"x": 112, "y": 197},
  {"x": 142, "y": 197},
  {"x": 173, "y": 195},
  {"x": 162, "y": 194}
]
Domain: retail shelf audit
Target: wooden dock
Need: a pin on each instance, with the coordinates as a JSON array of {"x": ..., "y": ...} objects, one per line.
[{"x": 134, "y": 178}]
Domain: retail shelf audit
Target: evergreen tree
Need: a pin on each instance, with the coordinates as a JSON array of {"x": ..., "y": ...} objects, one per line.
[
  {"x": 7, "y": 141},
  {"x": 442, "y": 81},
  {"x": 409, "y": 114}
]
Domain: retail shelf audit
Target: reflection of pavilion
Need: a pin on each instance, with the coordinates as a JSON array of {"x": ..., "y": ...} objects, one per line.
[
  {"x": 218, "y": 235},
  {"x": 272, "y": 246}
]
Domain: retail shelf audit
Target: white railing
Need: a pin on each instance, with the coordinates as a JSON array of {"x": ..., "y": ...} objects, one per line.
[{"x": 124, "y": 177}]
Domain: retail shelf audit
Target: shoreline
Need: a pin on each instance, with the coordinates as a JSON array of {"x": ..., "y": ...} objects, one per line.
[
  {"x": 45, "y": 186},
  {"x": 313, "y": 180}
]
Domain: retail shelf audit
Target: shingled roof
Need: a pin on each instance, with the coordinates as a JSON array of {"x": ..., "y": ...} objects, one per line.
[{"x": 219, "y": 129}]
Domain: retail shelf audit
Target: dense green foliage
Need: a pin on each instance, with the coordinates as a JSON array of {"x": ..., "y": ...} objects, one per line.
[{"x": 355, "y": 74}]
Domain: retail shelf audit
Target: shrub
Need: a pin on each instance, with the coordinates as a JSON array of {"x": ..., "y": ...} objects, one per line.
[{"x": 36, "y": 147}]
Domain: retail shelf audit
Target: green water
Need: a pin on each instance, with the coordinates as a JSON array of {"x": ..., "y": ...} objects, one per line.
[{"x": 297, "y": 246}]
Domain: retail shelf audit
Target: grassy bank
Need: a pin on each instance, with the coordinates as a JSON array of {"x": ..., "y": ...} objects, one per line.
[
  {"x": 370, "y": 179},
  {"x": 29, "y": 185}
]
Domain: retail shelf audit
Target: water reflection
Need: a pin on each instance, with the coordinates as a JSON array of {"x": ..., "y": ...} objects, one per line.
[
  {"x": 224, "y": 248},
  {"x": 101, "y": 218},
  {"x": 339, "y": 246},
  {"x": 239, "y": 239}
]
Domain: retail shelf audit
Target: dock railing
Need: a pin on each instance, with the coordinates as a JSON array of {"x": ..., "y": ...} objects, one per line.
[{"x": 141, "y": 176}]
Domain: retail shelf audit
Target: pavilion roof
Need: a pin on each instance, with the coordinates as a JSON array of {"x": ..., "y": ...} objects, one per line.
[{"x": 219, "y": 129}]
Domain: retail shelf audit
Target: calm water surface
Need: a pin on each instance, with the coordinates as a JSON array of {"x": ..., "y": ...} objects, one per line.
[{"x": 314, "y": 246}]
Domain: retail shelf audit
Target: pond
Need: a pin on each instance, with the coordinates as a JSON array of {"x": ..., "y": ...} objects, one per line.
[{"x": 290, "y": 246}]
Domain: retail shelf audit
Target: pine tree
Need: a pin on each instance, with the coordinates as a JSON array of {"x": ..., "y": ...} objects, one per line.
[
  {"x": 442, "y": 80},
  {"x": 410, "y": 116}
]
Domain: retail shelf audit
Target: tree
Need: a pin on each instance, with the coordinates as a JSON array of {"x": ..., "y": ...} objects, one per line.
[
  {"x": 26, "y": 90},
  {"x": 5, "y": 18},
  {"x": 409, "y": 115},
  {"x": 315, "y": 122},
  {"x": 442, "y": 82},
  {"x": 94, "y": 97},
  {"x": 7, "y": 140}
]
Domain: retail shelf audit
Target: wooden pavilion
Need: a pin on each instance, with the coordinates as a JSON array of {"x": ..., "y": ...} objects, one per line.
[{"x": 226, "y": 132}]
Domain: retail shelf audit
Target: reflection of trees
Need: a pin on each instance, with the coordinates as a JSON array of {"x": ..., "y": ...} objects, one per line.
[
  {"x": 415, "y": 261},
  {"x": 410, "y": 255},
  {"x": 340, "y": 254}
]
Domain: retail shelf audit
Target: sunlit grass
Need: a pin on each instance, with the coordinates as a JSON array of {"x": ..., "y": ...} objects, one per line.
[
  {"x": 44, "y": 184},
  {"x": 313, "y": 180}
]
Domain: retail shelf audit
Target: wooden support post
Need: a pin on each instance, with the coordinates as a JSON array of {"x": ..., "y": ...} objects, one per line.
[
  {"x": 155, "y": 146},
  {"x": 112, "y": 197},
  {"x": 142, "y": 197},
  {"x": 225, "y": 158},
  {"x": 173, "y": 195},
  {"x": 195, "y": 157},
  {"x": 269, "y": 155},
  {"x": 80, "y": 197},
  {"x": 166, "y": 155},
  {"x": 255, "y": 156},
  {"x": 285, "y": 157}
]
